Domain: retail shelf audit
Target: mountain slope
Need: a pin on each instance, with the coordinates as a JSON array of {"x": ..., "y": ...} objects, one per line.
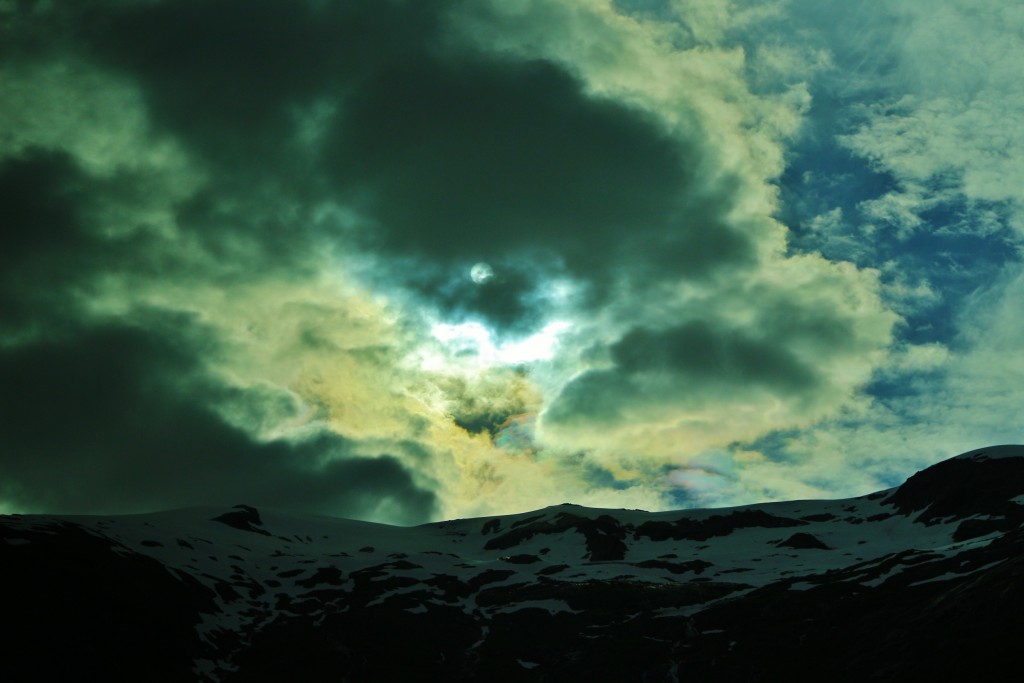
[{"x": 921, "y": 581}]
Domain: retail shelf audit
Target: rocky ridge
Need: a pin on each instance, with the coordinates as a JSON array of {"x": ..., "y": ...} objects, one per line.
[{"x": 920, "y": 581}]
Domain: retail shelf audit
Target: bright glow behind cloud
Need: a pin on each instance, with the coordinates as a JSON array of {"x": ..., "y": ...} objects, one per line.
[{"x": 475, "y": 340}]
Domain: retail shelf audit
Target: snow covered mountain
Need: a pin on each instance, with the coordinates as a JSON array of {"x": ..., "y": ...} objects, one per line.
[{"x": 923, "y": 581}]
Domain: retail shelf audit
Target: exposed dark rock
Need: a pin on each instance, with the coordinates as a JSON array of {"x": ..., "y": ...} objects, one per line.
[
  {"x": 605, "y": 538},
  {"x": 717, "y": 525},
  {"x": 226, "y": 591},
  {"x": 604, "y": 535},
  {"x": 896, "y": 632},
  {"x": 502, "y": 595},
  {"x": 331, "y": 576},
  {"x": 528, "y": 520},
  {"x": 695, "y": 566},
  {"x": 609, "y": 597},
  {"x": 490, "y": 576},
  {"x": 973, "y": 528},
  {"x": 89, "y": 607},
  {"x": 383, "y": 643},
  {"x": 81, "y": 604},
  {"x": 962, "y": 487},
  {"x": 823, "y": 517},
  {"x": 451, "y": 587},
  {"x": 243, "y": 518},
  {"x": 803, "y": 541},
  {"x": 404, "y": 565},
  {"x": 553, "y": 569},
  {"x": 521, "y": 559}
]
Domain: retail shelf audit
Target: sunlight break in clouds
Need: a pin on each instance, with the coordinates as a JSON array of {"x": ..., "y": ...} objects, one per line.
[{"x": 475, "y": 339}]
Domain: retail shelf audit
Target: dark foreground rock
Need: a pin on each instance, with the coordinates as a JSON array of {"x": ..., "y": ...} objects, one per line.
[{"x": 922, "y": 582}]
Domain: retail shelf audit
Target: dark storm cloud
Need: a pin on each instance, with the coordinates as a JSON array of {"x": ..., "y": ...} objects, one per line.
[
  {"x": 682, "y": 366},
  {"x": 52, "y": 243},
  {"x": 700, "y": 351},
  {"x": 229, "y": 74},
  {"x": 468, "y": 157},
  {"x": 234, "y": 83},
  {"x": 40, "y": 208},
  {"x": 450, "y": 155},
  {"x": 40, "y": 195},
  {"x": 117, "y": 419},
  {"x": 119, "y": 416},
  {"x": 473, "y": 157}
]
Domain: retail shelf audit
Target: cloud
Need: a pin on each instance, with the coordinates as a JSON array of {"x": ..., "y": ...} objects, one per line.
[
  {"x": 945, "y": 125},
  {"x": 488, "y": 402},
  {"x": 787, "y": 349},
  {"x": 119, "y": 420},
  {"x": 242, "y": 227},
  {"x": 234, "y": 84},
  {"x": 935, "y": 82},
  {"x": 665, "y": 367},
  {"x": 42, "y": 221}
]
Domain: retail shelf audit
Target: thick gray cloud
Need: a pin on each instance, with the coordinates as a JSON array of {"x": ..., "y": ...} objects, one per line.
[
  {"x": 476, "y": 157},
  {"x": 118, "y": 419},
  {"x": 41, "y": 206},
  {"x": 448, "y": 154},
  {"x": 683, "y": 366},
  {"x": 231, "y": 77},
  {"x": 122, "y": 415}
]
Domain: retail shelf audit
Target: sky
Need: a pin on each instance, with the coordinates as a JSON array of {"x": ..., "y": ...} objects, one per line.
[{"x": 407, "y": 260}]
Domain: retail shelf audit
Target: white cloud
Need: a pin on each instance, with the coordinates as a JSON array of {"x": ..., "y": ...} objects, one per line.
[
  {"x": 477, "y": 340},
  {"x": 953, "y": 114}
]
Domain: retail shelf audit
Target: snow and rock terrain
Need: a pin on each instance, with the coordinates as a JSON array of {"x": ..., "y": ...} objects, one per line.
[{"x": 921, "y": 581}]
